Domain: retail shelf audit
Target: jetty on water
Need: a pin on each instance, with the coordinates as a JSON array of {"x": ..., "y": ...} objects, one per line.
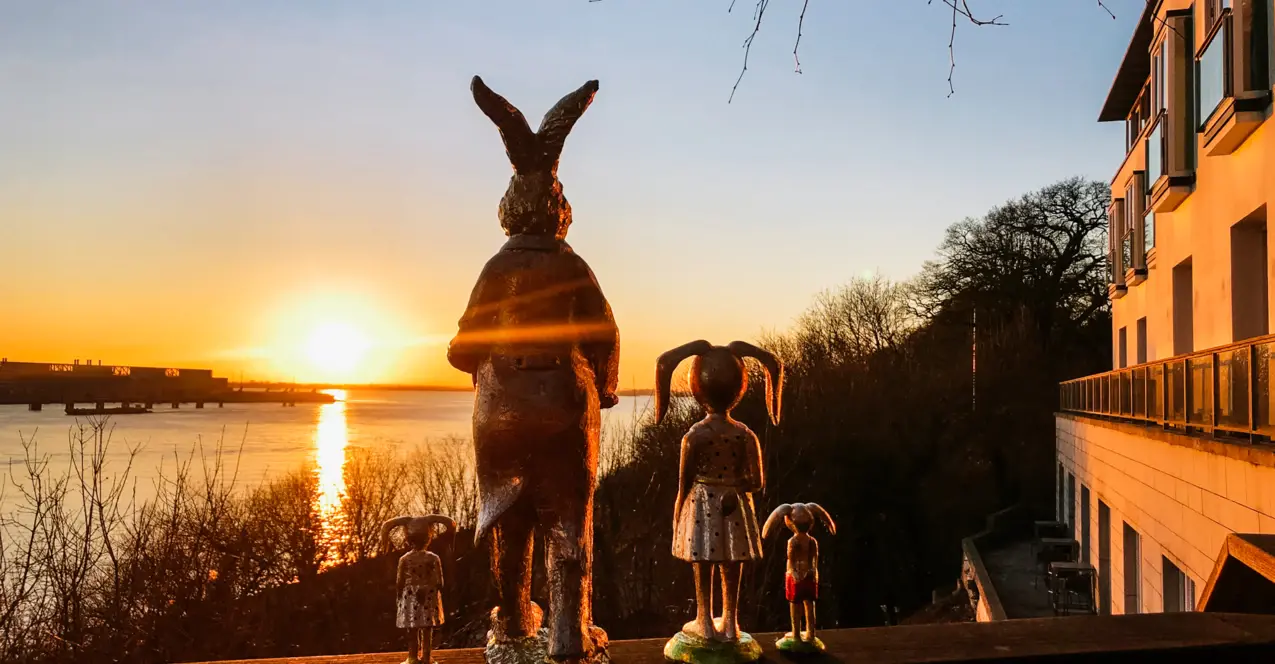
[{"x": 136, "y": 389}]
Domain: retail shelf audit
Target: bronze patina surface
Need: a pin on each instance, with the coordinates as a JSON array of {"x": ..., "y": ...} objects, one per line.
[{"x": 542, "y": 347}]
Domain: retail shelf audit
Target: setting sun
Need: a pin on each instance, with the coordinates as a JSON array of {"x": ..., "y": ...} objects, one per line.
[{"x": 336, "y": 348}]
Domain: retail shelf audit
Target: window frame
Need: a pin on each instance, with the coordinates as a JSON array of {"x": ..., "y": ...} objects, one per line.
[
  {"x": 1158, "y": 111},
  {"x": 1130, "y": 227},
  {"x": 1218, "y": 26}
]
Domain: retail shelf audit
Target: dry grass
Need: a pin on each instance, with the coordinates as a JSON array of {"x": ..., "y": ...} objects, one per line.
[{"x": 86, "y": 570}]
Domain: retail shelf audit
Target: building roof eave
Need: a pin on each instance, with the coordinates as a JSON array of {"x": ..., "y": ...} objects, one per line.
[{"x": 1134, "y": 69}]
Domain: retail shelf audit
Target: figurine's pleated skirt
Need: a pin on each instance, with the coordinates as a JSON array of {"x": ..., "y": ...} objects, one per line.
[
  {"x": 717, "y": 524},
  {"x": 419, "y": 606}
]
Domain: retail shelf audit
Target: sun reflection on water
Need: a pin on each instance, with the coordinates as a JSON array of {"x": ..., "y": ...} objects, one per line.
[{"x": 331, "y": 437}]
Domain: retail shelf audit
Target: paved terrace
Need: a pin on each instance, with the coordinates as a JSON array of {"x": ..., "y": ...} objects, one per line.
[
  {"x": 1135, "y": 638},
  {"x": 1022, "y": 590}
]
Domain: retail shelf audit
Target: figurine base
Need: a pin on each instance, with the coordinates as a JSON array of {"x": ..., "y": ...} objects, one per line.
[
  {"x": 692, "y": 647},
  {"x": 518, "y": 650},
  {"x": 797, "y": 646},
  {"x": 534, "y": 649}
]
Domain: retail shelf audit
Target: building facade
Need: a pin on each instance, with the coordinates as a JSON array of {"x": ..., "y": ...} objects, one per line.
[{"x": 1162, "y": 458}]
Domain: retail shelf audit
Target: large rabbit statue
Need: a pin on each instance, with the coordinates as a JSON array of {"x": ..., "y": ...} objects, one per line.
[{"x": 542, "y": 347}]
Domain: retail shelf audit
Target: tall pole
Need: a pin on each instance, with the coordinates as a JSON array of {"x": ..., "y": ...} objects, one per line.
[{"x": 973, "y": 359}]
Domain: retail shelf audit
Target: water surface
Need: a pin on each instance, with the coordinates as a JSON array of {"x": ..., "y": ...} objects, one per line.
[{"x": 264, "y": 439}]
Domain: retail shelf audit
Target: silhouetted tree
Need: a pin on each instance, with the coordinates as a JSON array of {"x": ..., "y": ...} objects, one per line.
[{"x": 1041, "y": 256}]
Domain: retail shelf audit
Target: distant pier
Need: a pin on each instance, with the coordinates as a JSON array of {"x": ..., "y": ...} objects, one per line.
[{"x": 134, "y": 389}]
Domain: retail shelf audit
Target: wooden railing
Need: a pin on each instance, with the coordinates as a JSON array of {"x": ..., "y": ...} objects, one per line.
[
  {"x": 1226, "y": 389},
  {"x": 1151, "y": 637}
]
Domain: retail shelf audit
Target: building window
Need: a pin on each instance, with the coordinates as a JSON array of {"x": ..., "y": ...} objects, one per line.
[
  {"x": 1132, "y": 570},
  {"x": 1115, "y": 240},
  {"x": 1213, "y": 68},
  {"x": 1122, "y": 352},
  {"x": 1062, "y": 496},
  {"x": 1232, "y": 86},
  {"x": 1084, "y": 524},
  {"x": 1135, "y": 247},
  {"x": 1183, "y": 305},
  {"x": 1179, "y": 589},
  {"x": 1071, "y": 503},
  {"x": 1104, "y": 559},
  {"x": 1155, "y": 155},
  {"x": 1126, "y": 237},
  {"x": 1171, "y": 145},
  {"x": 1249, "y": 277},
  {"x": 1140, "y": 339},
  {"x": 1138, "y": 117},
  {"x": 1159, "y": 76},
  {"x": 1148, "y": 228}
]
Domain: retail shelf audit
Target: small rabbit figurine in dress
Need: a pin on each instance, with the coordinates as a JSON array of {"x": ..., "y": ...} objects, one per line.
[
  {"x": 801, "y": 579},
  {"x": 419, "y": 583},
  {"x": 714, "y": 523}
]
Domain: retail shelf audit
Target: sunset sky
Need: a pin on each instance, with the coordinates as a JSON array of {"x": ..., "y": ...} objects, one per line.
[{"x": 306, "y": 189}]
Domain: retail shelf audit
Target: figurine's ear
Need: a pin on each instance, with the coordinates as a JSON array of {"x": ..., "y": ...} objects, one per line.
[
  {"x": 823, "y": 516},
  {"x": 433, "y": 519},
  {"x": 664, "y": 367},
  {"x": 776, "y": 517},
  {"x": 520, "y": 144},
  {"x": 396, "y": 522},
  {"x": 774, "y": 369},
  {"x": 558, "y": 122}
]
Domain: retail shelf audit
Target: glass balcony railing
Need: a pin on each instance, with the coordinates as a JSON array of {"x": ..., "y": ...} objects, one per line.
[{"x": 1223, "y": 389}]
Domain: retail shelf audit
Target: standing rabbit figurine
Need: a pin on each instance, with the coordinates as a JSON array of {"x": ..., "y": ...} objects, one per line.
[
  {"x": 801, "y": 578},
  {"x": 542, "y": 348},
  {"x": 419, "y": 583},
  {"x": 714, "y": 523}
]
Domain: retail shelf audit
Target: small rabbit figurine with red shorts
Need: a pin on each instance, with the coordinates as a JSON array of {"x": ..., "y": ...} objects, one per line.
[{"x": 801, "y": 578}]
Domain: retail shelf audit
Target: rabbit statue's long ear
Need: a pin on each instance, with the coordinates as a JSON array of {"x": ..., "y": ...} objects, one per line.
[
  {"x": 558, "y": 122},
  {"x": 774, "y": 373},
  {"x": 776, "y": 517},
  {"x": 396, "y": 522},
  {"x": 823, "y": 516},
  {"x": 520, "y": 143},
  {"x": 664, "y": 367},
  {"x": 446, "y": 521}
]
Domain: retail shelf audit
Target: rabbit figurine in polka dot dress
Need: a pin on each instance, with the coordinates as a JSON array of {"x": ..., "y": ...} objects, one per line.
[{"x": 714, "y": 522}]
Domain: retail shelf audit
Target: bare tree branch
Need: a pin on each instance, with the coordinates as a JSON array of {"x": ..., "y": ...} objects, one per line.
[
  {"x": 758, "y": 12},
  {"x": 801, "y": 21},
  {"x": 960, "y": 9}
]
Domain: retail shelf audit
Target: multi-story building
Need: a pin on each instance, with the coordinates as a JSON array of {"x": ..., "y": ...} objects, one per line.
[{"x": 1164, "y": 457}]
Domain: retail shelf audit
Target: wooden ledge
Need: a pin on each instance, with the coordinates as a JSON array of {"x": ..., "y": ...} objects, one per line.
[{"x": 1132, "y": 638}]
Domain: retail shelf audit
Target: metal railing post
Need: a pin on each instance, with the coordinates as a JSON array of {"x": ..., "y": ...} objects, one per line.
[
  {"x": 1252, "y": 388},
  {"x": 1213, "y": 401}
]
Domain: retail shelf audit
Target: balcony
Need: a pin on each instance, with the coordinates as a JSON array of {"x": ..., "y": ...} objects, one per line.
[{"x": 1225, "y": 390}]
